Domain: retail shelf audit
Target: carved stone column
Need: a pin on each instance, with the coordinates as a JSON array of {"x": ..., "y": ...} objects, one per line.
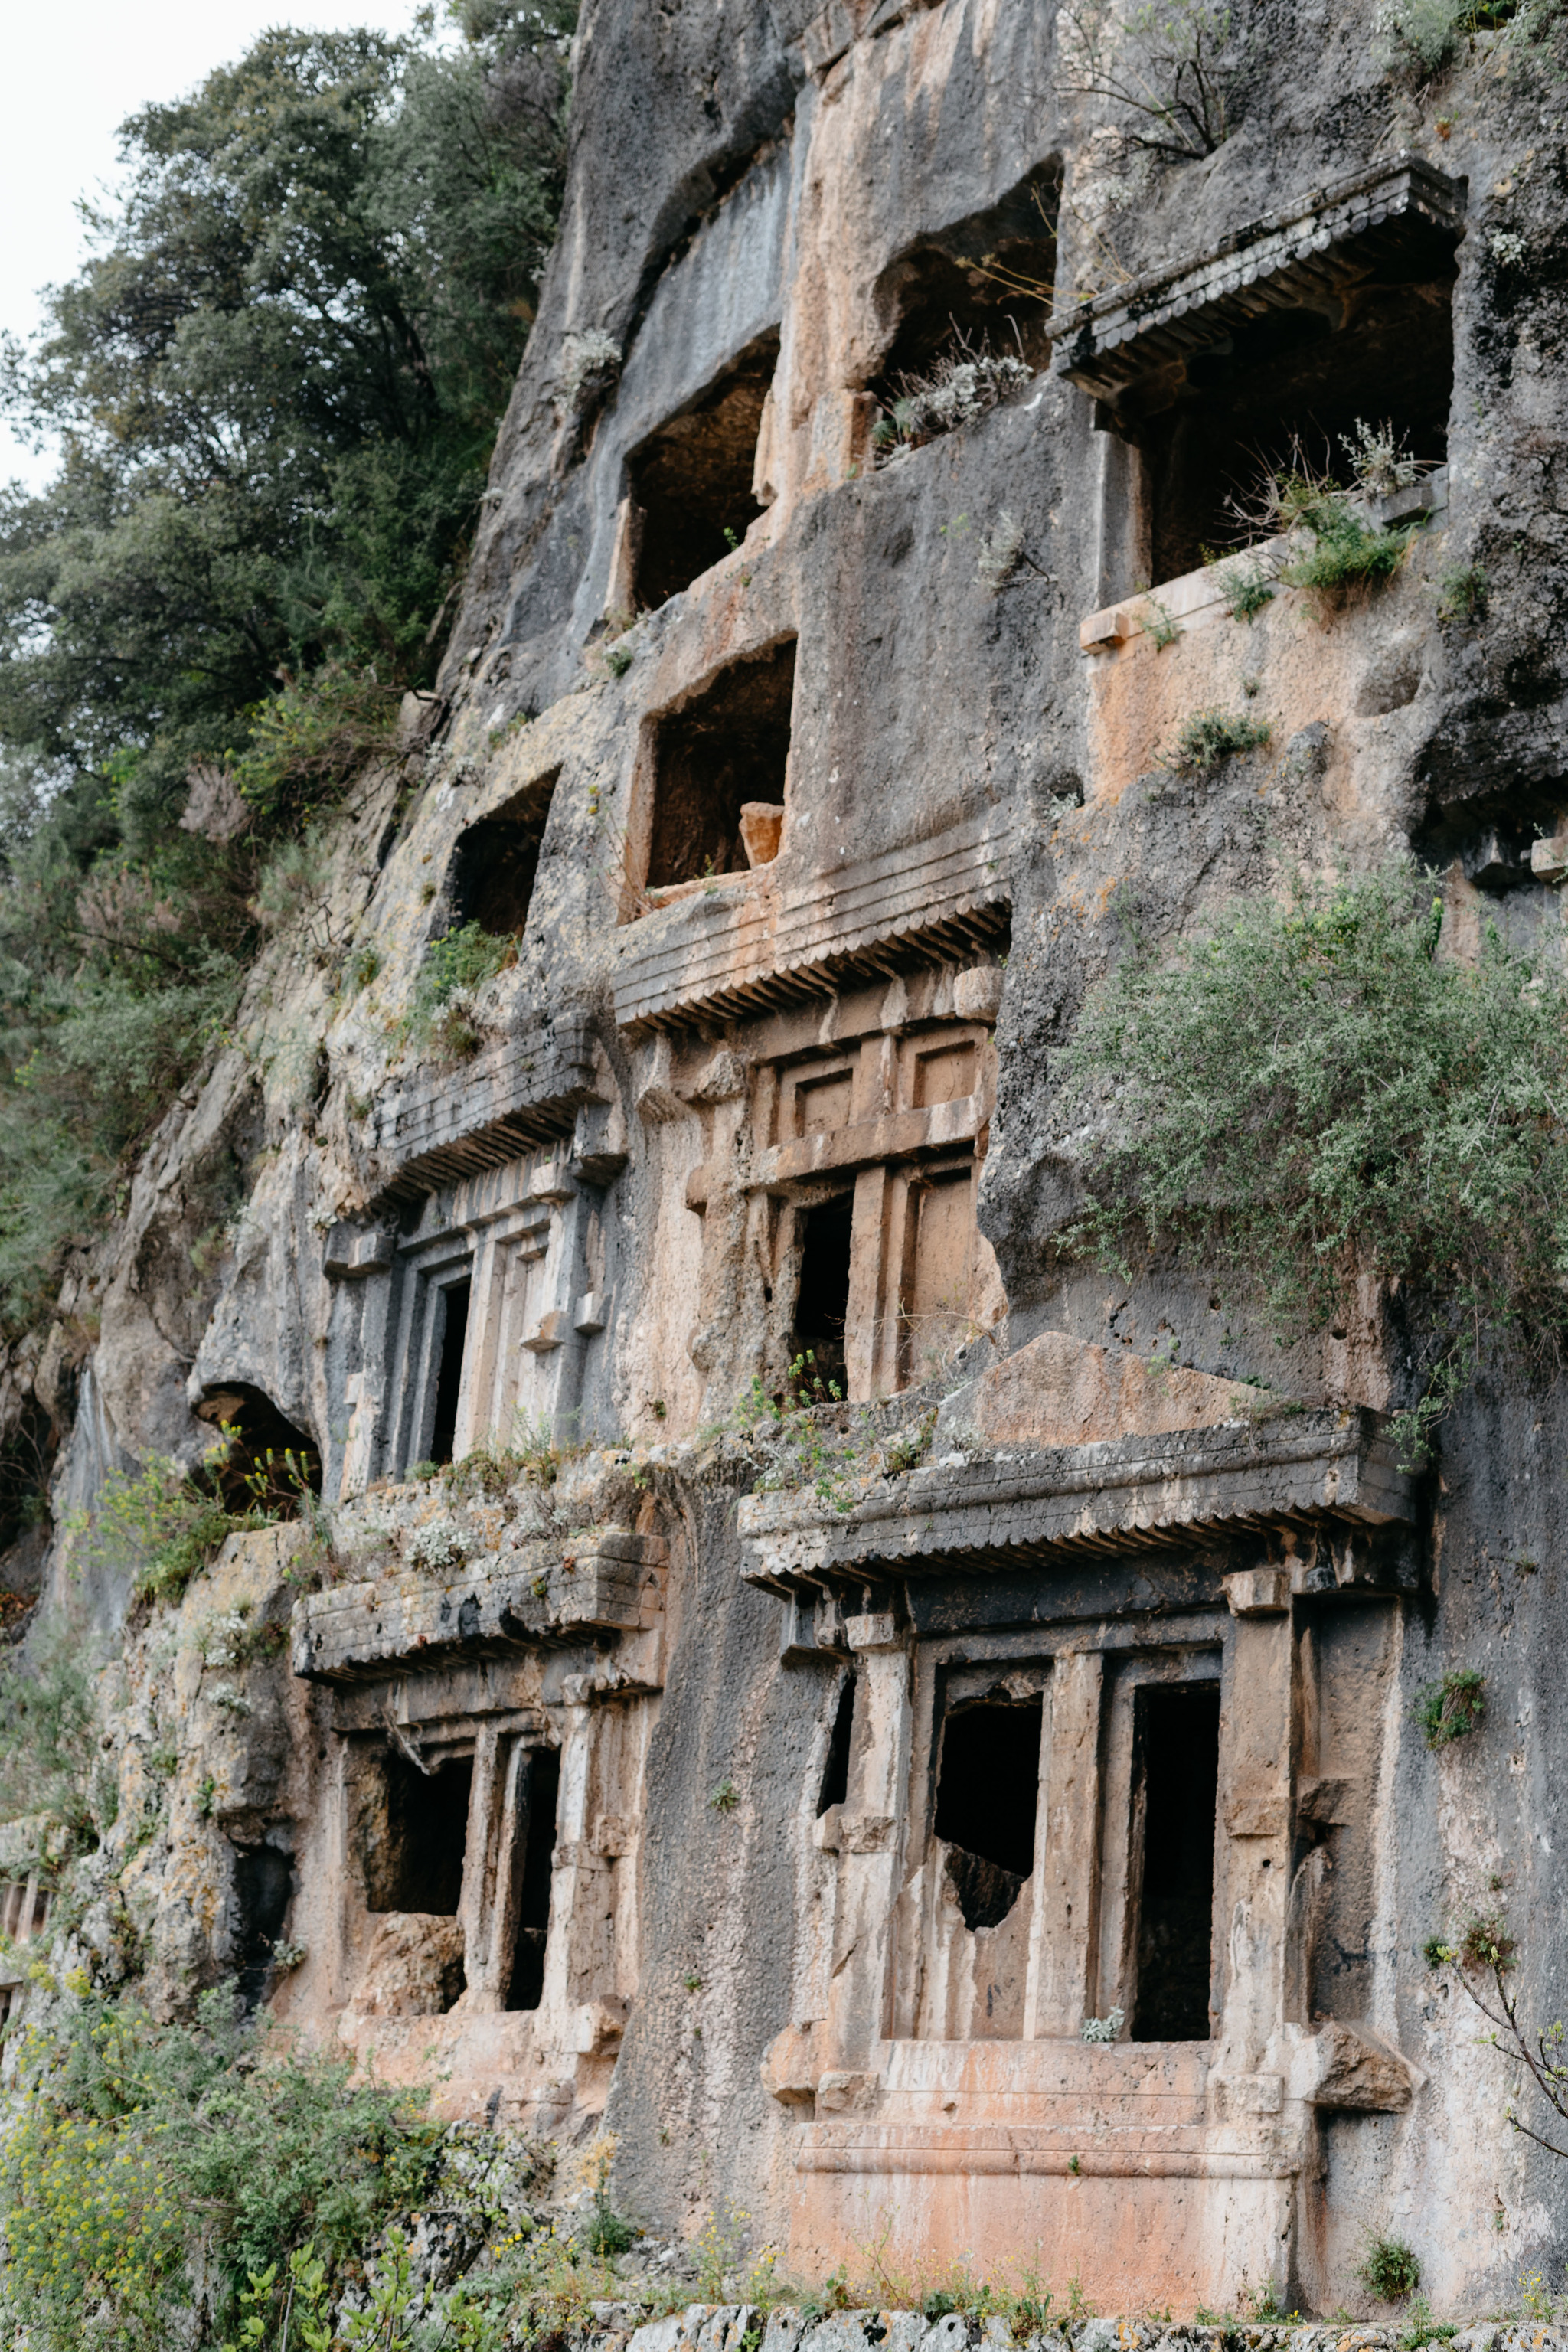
[
  {"x": 1252, "y": 1875},
  {"x": 870, "y": 1855},
  {"x": 1061, "y": 1990}
]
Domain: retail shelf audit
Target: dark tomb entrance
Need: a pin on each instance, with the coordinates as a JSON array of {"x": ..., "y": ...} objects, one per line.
[
  {"x": 454, "y": 1313},
  {"x": 1177, "y": 1732},
  {"x": 526, "y": 1988},
  {"x": 986, "y": 1797},
  {"x": 822, "y": 1301}
]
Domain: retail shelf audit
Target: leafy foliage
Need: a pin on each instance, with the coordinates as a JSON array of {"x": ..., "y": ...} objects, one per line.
[
  {"x": 137, "y": 2144},
  {"x": 1462, "y": 594},
  {"x": 160, "y": 1526},
  {"x": 1311, "y": 1091},
  {"x": 1451, "y": 1707},
  {"x": 1390, "y": 2271},
  {"x": 277, "y": 379},
  {"x": 307, "y": 739},
  {"x": 275, "y": 387},
  {"x": 49, "y": 1735},
  {"x": 1347, "y": 552},
  {"x": 455, "y": 968},
  {"x": 1210, "y": 736},
  {"x": 1249, "y": 587},
  {"x": 1337, "y": 549},
  {"x": 1416, "y": 38},
  {"x": 117, "y": 974}
]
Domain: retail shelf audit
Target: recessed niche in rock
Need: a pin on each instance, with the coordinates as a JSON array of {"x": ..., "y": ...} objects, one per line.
[
  {"x": 988, "y": 280},
  {"x": 1265, "y": 357},
  {"x": 987, "y": 1791},
  {"x": 692, "y": 482},
  {"x": 1177, "y": 1764},
  {"x": 527, "y": 1985},
  {"x": 449, "y": 1339},
  {"x": 263, "y": 1882},
  {"x": 717, "y": 757},
  {"x": 496, "y": 861},
  {"x": 270, "y": 1460},
  {"x": 835, "y": 1771},
  {"x": 822, "y": 1299},
  {"x": 1286, "y": 390},
  {"x": 414, "y": 1828}
]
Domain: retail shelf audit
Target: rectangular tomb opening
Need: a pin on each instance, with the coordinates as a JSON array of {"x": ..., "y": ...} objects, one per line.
[
  {"x": 692, "y": 483},
  {"x": 822, "y": 1299},
  {"x": 986, "y": 1798},
  {"x": 986, "y": 282},
  {"x": 451, "y": 1338},
  {"x": 835, "y": 1790},
  {"x": 414, "y": 1838},
  {"x": 1177, "y": 1736},
  {"x": 526, "y": 1989},
  {"x": 721, "y": 761},
  {"x": 497, "y": 860},
  {"x": 1291, "y": 391},
  {"x": 263, "y": 1884}
]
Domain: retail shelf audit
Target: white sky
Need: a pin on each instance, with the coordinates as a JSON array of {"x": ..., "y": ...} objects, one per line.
[{"x": 74, "y": 71}]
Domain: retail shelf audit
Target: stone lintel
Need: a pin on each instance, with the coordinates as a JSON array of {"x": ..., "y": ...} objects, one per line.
[
  {"x": 495, "y": 1605},
  {"x": 525, "y": 1091},
  {"x": 998, "y": 1509},
  {"x": 1328, "y": 237},
  {"x": 756, "y": 941}
]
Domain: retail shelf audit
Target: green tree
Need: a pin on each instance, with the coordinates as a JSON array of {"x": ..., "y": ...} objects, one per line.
[
  {"x": 276, "y": 383},
  {"x": 275, "y": 387},
  {"x": 1315, "y": 1091}
]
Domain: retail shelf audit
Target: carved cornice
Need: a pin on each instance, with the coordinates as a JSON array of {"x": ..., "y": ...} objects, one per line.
[
  {"x": 1341, "y": 233},
  {"x": 1000, "y": 1509}
]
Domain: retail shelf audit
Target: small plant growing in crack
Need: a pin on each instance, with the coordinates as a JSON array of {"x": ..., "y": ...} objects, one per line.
[
  {"x": 1210, "y": 736},
  {"x": 1160, "y": 623},
  {"x": 1002, "y": 551},
  {"x": 1453, "y": 1707}
]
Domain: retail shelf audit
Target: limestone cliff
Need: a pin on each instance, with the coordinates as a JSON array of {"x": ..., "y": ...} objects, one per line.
[{"x": 787, "y": 1792}]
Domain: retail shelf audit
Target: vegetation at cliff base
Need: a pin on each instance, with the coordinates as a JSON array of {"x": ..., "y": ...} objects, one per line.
[
  {"x": 137, "y": 2148},
  {"x": 1315, "y": 1091},
  {"x": 274, "y": 387}
]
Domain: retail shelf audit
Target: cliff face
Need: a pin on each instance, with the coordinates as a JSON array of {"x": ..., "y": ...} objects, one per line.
[{"x": 797, "y": 1833}]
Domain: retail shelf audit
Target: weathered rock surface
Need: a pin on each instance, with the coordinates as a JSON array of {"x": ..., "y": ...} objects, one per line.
[{"x": 677, "y": 1769}]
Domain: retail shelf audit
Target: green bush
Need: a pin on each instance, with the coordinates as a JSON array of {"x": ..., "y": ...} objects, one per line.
[
  {"x": 454, "y": 967},
  {"x": 308, "y": 741},
  {"x": 1210, "y": 736},
  {"x": 609, "y": 2233},
  {"x": 1450, "y": 1708},
  {"x": 139, "y": 2151},
  {"x": 48, "y": 1733},
  {"x": 1462, "y": 595},
  {"x": 1390, "y": 2271},
  {"x": 118, "y": 973},
  {"x": 1419, "y": 37},
  {"x": 1249, "y": 587},
  {"x": 159, "y": 1526},
  {"x": 156, "y": 1527},
  {"x": 1312, "y": 1092},
  {"x": 1347, "y": 552},
  {"x": 323, "y": 265}
]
